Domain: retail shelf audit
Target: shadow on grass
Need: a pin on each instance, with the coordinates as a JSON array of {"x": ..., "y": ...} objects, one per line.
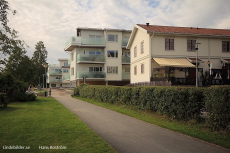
[{"x": 8, "y": 109}]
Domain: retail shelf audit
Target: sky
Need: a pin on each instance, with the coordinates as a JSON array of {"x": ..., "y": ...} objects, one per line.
[{"x": 55, "y": 21}]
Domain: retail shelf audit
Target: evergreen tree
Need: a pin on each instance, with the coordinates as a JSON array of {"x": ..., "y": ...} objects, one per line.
[{"x": 39, "y": 59}]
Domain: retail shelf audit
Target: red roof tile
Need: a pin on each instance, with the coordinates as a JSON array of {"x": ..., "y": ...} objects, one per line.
[{"x": 185, "y": 30}]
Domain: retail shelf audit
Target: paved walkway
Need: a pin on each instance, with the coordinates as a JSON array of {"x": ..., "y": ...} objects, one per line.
[{"x": 129, "y": 135}]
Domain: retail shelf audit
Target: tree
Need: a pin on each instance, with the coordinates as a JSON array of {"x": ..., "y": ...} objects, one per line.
[
  {"x": 8, "y": 36},
  {"x": 39, "y": 59},
  {"x": 20, "y": 66}
]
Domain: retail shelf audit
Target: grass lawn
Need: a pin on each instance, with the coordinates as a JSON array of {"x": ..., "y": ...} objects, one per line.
[
  {"x": 189, "y": 128},
  {"x": 45, "y": 123}
]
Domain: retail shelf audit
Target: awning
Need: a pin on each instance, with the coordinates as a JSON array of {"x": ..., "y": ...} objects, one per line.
[
  {"x": 174, "y": 62},
  {"x": 225, "y": 60},
  {"x": 193, "y": 60}
]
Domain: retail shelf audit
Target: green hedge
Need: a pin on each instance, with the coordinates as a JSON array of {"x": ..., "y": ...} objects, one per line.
[
  {"x": 179, "y": 103},
  {"x": 182, "y": 103},
  {"x": 217, "y": 100}
]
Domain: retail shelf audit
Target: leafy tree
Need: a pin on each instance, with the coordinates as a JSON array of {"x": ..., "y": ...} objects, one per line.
[
  {"x": 20, "y": 66},
  {"x": 39, "y": 59},
  {"x": 8, "y": 36}
]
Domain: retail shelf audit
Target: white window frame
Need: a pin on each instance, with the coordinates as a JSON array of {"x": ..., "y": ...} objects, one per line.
[
  {"x": 93, "y": 69},
  {"x": 95, "y": 53},
  {"x": 112, "y": 69},
  {"x": 114, "y": 39},
  {"x": 95, "y": 36},
  {"x": 65, "y": 70}
]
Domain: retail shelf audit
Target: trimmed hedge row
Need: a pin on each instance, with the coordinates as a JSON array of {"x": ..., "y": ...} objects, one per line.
[
  {"x": 178, "y": 103},
  {"x": 175, "y": 102},
  {"x": 217, "y": 99}
]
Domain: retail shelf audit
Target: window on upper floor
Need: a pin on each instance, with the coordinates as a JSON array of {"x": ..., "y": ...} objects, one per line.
[
  {"x": 95, "y": 53},
  {"x": 142, "y": 68},
  {"x": 169, "y": 44},
  {"x": 57, "y": 70},
  {"x": 225, "y": 46},
  {"x": 112, "y": 53},
  {"x": 191, "y": 45},
  {"x": 127, "y": 69},
  {"x": 112, "y": 38},
  {"x": 66, "y": 64},
  {"x": 95, "y": 69},
  {"x": 142, "y": 47},
  {"x": 65, "y": 70},
  {"x": 126, "y": 54},
  {"x": 135, "y": 51},
  {"x": 112, "y": 69},
  {"x": 135, "y": 70}
]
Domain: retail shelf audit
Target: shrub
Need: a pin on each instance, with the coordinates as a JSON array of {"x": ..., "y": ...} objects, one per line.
[{"x": 217, "y": 99}]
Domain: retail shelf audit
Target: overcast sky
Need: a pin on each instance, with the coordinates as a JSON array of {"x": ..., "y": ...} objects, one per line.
[{"x": 55, "y": 21}]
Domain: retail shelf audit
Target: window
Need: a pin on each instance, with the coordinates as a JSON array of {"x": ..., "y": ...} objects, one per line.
[
  {"x": 142, "y": 47},
  {"x": 135, "y": 70},
  {"x": 169, "y": 44},
  {"x": 95, "y": 69},
  {"x": 126, "y": 54},
  {"x": 135, "y": 51},
  {"x": 95, "y": 53},
  {"x": 225, "y": 46},
  {"x": 112, "y": 38},
  {"x": 57, "y": 70},
  {"x": 94, "y": 36},
  {"x": 191, "y": 45},
  {"x": 127, "y": 69},
  {"x": 112, "y": 69},
  {"x": 112, "y": 53},
  {"x": 65, "y": 71},
  {"x": 142, "y": 68},
  {"x": 66, "y": 64}
]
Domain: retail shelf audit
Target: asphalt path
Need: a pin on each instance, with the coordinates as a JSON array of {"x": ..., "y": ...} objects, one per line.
[{"x": 129, "y": 135}]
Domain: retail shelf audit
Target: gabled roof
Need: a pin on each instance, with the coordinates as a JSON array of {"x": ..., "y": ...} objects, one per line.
[
  {"x": 185, "y": 30},
  {"x": 172, "y": 30}
]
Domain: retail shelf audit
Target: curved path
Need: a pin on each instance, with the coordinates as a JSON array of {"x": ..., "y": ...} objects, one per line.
[{"x": 130, "y": 135}]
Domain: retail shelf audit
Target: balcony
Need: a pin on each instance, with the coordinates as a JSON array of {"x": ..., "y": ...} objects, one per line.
[
  {"x": 83, "y": 58},
  {"x": 85, "y": 42},
  {"x": 90, "y": 75},
  {"x": 55, "y": 73},
  {"x": 66, "y": 77},
  {"x": 124, "y": 42},
  {"x": 125, "y": 59},
  {"x": 126, "y": 75},
  {"x": 55, "y": 80}
]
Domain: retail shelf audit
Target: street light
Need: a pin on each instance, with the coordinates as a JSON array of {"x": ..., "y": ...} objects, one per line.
[
  {"x": 45, "y": 65},
  {"x": 197, "y": 43}
]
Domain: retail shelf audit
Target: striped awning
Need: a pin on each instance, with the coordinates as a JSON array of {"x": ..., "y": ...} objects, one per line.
[{"x": 174, "y": 62}]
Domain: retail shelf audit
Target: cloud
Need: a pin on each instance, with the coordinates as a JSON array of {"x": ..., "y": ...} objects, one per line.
[{"x": 54, "y": 22}]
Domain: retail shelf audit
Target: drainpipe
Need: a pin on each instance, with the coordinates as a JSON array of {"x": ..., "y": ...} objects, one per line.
[{"x": 150, "y": 58}]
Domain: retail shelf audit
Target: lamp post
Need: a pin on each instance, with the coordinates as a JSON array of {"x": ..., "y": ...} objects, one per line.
[
  {"x": 43, "y": 80},
  {"x": 197, "y": 43},
  {"x": 45, "y": 65}
]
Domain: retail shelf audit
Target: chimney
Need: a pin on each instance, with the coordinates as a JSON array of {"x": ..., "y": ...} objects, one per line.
[{"x": 147, "y": 24}]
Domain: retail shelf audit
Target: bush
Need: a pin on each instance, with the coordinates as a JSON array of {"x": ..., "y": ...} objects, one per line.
[{"x": 217, "y": 99}]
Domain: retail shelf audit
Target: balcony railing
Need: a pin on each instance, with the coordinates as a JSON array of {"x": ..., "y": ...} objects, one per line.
[
  {"x": 124, "y": 42},
  {"x": 79, "y": 41},
  {"x": 55, "y": 73},
  {"x": 125, "y": 59},
  {"x": 125, "y": 75},
  {"x": 84, "y": 58},
  {"x": 54, "y": 65},
  {"x": 55, "y": 80},
  {"x": 90, "y": 74},
  {"x": 66, "y": 77}
]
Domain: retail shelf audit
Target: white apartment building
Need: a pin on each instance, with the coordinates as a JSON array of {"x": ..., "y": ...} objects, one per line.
[
  {"x": 58, "y": 75},
  {"x": 159, "y": 52},
  {"x": 99, "y": 56}
]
